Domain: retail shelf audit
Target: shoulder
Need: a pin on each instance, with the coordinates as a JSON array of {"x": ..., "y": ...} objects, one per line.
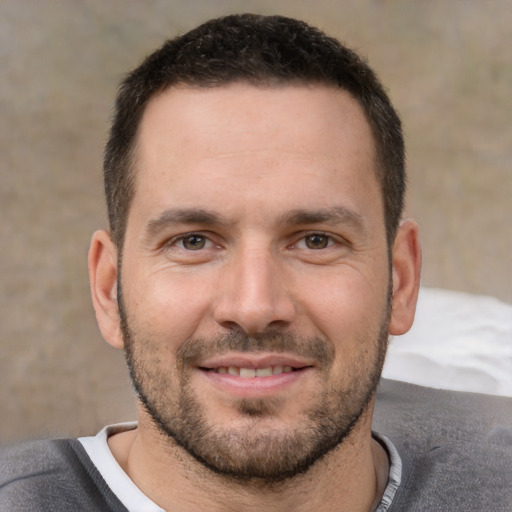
[
  {"x": 456, "y": 448},
  {"x": 50, "y": 475},
  {"x": 31, "y": 457},
  {"x": 464, "y": 414},
  {"x": 28, "y": 472}
]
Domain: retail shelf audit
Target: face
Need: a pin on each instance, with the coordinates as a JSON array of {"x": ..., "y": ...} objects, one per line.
[{"x": 255, "y": 275}]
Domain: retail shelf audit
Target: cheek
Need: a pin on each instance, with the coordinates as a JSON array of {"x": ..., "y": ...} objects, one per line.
[
  {"x": 347, "y": 300},
  {"x": 168, "y": 306},
  {"x": 349, "y": 310}
]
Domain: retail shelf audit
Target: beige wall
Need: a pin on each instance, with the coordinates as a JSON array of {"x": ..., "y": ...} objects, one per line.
[{"x": 449, "y": 71}]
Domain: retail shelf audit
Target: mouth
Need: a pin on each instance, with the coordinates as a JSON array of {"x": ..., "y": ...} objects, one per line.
[
  {"x": 251, "y": 365},
  {"x": 244, "y": 375},
  {"x": 251, "y": 373}
]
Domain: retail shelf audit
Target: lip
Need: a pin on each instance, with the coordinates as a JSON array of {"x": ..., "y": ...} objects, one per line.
[
  {"x": 255, "y": 387},
  {"x": 255, "y": 360}
]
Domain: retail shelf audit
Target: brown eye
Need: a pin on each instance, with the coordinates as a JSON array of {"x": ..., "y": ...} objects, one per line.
[
  {"x": 194, "y": 242},
  {"x": 317, "y": 241}
]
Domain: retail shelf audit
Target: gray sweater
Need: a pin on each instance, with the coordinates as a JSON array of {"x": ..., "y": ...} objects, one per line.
[
  {"x": 456, "y": 451},
  {"x": 456, "y": 448}
]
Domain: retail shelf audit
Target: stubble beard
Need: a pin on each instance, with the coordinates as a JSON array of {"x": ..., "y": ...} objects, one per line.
[{"x": 249, "y": 452}]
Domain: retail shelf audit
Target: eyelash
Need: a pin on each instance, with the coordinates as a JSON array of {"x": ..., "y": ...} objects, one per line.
[
  {"x": 181, "y": 238},
  {"x": 331, "y": 240}
]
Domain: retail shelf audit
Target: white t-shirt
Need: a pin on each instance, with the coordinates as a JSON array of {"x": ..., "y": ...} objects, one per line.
[{"x": 119, "y": 482}]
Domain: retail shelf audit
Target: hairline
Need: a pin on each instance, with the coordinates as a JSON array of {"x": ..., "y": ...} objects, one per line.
[{"x": 378, "y": 167}]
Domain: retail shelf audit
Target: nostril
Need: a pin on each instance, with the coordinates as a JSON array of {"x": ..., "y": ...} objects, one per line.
[
  {"x": 231, "y": 326},
  {"x": 251, "y": 320},
  {"x": 253, "y": 304},
  {"x": 279, "y": 324}
]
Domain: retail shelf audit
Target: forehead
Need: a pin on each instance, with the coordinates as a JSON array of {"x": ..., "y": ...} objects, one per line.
[
  {"x": 313, "y": 139},
  {"x": 286, "y": 113}
]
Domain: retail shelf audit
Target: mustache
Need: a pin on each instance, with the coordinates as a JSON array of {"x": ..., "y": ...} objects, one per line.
[{"x": 195, "y": 350}]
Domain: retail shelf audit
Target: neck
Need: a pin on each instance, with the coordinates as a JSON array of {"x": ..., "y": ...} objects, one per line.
[{"x": 352, "y": 477}]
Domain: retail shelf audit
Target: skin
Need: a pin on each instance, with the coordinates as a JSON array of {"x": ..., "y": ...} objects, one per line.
[{"x": 253, "y": 157}]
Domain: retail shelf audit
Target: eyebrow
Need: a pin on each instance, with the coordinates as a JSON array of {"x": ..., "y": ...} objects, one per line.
[
  {"x": 333, "y": 215},
  {"x": 182, "y": 216}
]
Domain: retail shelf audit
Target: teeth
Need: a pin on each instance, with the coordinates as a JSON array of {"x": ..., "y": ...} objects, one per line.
[
  {"x": 249, "y": 373},
  {"x": 264, "y": 372}
]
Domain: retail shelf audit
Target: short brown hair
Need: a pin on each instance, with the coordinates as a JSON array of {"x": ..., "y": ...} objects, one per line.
[{"x": 258, "y": 50}]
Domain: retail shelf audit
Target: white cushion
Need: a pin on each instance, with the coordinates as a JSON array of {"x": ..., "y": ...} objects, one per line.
[{"x": 458, "y": 341}]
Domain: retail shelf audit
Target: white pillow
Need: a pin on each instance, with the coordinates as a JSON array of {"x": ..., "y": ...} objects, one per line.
[{"x": 458, "y": 341}]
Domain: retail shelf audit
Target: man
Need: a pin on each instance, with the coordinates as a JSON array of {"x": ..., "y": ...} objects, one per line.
[{"x": 255, "y": 265}]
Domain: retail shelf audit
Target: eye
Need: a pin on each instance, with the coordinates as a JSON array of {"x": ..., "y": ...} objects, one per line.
[
  {"x": 315, "y": 241},
  {"x": 193, "y": 242}
]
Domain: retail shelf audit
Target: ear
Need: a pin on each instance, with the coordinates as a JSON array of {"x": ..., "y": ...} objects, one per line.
[
  {"x": 406, "y": 260},
  {"x": 103, "y": 281}
]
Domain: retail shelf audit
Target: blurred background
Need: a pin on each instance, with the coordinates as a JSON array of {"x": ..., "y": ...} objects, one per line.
[{"x": 447, "y": 65}]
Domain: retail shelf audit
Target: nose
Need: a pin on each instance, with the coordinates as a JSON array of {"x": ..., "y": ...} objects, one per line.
[{"x": 254, "y": 294}]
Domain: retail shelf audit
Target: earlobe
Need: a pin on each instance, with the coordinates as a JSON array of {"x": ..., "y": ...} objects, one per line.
[
  {"x": 406, "y": 261},
  {"x": 103, "y": 282}
]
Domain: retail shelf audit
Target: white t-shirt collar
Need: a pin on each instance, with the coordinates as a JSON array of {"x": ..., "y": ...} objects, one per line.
[{"x": 136, "y": 501}]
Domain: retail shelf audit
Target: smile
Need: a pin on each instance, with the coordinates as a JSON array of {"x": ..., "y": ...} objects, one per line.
[
  {"x": 255, "y": 375},
  {"x": 250, "y": 373}
]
